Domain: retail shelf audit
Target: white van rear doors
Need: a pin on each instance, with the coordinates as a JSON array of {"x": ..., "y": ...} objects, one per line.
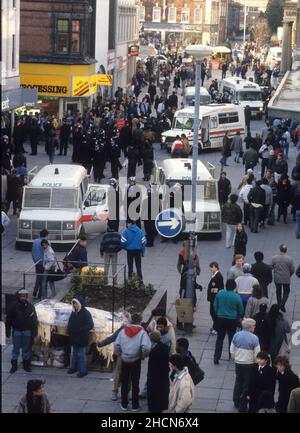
[{"x": 95, "y": 209}]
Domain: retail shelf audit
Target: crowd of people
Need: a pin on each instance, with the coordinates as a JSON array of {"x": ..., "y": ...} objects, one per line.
[{"x": 239, "y": 305}]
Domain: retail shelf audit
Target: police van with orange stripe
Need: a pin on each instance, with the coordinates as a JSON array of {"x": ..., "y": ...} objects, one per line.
[
  {"x": 61, "y": 199},
  {"x": 215, "y": 120}
]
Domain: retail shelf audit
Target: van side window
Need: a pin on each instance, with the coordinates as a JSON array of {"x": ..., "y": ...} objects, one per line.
[
  {"x": 228, "y": 118},
  {"x": 223, "y": 118},
  {"x": 161, "y": 177},
  {"x": 213, "y": 122},
  {"x": 85, "y": 184}
]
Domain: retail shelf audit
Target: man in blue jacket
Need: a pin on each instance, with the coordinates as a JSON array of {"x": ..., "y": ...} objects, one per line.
[
  {"x": 134, "y": 242},
  {"x": 38, "y": 257}
]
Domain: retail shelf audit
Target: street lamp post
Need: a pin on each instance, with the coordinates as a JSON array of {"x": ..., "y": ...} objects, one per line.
[
  {"x": 198, "y": 52},
  {"x": 245, "y": 21}
]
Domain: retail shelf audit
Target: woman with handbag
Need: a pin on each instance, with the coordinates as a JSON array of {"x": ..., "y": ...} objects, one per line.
[
  {"x": 49, "y": 264},
  {"x": 279, "y": 328}
]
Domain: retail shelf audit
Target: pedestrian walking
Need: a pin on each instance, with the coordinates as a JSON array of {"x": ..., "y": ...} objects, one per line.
[
  {"x": 262, "y": 272},
  {"x": 257, "y": 200},
  {"x": 243, "y": 195},
  {"x": 237, "y": 147},
  {"x": 34, "y": 134},
  {"x": 247, "y": 117},
  {"x": 284, "y": 196},
  {"x": 215, "y": 284},
  {"x": 158, "y": 375},
  {"x": 79, "y": 326},
  {"x": 279, "y": 328},
  {"x": 183, "y": 269},
  {"x": 241, "y": 239},
  {"x": 244, "y": 349},
  {"x": 35, "y": 400},
  {"x": 255, "y": 301},
  {"x": 13, "y": 192},
  {"x": 52, "y": 144},
  {"x": 109, "y": 248},
  {"x": 287, "y": 380},
  {"x": 224, "y": 188},
  {"x": 49, "y": 266},
  {"x": 263, "y": 327},
  {"x": 37, "y": 254},
  {"x": 132, "y": 345},
  {"x": 229, "y": 310},
  {"x": 231, "y": 216},
  {"x": 262, "y": 379},
  {"x": 134, "y": 242},
  {"x": 245, "y": 284},
  {"x": 250, "y": 158},
  {"x": 21, "y": 322},
  {"x": 226, "y": 150},
  {"x": 182, "y": 389},
  {"x": 236, "y": 269},
  {"x": 283, "y": 267}
]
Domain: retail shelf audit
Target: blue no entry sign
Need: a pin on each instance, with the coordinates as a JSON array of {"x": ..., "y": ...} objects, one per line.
[{"x": 168, "y": 223}]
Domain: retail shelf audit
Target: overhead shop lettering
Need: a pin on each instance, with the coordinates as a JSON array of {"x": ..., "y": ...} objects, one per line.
[{"x": 46, "y": 89}]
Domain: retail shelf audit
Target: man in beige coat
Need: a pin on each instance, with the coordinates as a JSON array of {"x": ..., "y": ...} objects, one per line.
[{"x": 182, "y": 389}]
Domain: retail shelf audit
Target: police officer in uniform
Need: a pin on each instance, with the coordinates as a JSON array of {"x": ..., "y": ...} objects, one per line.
[
  {"x": 98, "y": 153},
  {"x": 134, "y": 193},
  {"x": 150, "y": 210},
  {"x": 114, "y": 204}
]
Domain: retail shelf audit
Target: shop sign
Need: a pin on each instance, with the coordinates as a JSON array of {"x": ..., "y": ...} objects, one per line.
[
  {"x": 104, "y": 80},
  {"x": 46, "y": 85},
  {"x": 81, "y": 86}
]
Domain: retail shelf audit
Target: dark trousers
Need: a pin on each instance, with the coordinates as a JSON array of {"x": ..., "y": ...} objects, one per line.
[
  {"x": 213, "y": 315},
  {"x": 282, "y": 210},
  {"x": 16, "y": 205},
  {"x": 224, "y": 326},
  {"x": 38, "y": 287},
  {"x": 246, "y": 213},
  {"x": 137, "y": 256},
  {"x": 255, "y": 217},
  {"x": 241, "y": 386},
  {"x": 63, "y": 146},
  {"x": 131, "y": 372},
  {"x": 264, "y": 165},
  {"x": 281, "y": 299},
  {"x": 33, "y": 144}
]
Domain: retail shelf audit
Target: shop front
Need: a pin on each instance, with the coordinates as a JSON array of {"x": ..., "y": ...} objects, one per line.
[{"x": 60, "y": 87}]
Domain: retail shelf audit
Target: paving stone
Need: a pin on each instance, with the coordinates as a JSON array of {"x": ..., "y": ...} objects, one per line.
[
  {"x": 73, "y": 405},
  {"x": 205, "y": 403},
  {"x": 226, "y": 406}
]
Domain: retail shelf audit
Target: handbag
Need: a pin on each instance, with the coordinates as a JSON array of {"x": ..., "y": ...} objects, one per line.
[
  {"x": 56, "y": 275},
  {"x": 197, "y": 373}
]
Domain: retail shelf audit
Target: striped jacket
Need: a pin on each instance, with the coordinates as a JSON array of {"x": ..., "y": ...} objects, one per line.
[
  {"x": 244, "y": 347},
  {"x": 111, "y": 243}
]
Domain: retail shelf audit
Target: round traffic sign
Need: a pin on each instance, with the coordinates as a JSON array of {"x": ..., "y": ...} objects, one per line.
[{"x": 168, "y": 223}]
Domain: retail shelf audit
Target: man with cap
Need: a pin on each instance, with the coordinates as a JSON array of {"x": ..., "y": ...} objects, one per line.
[{"x": 22, "y": 320}]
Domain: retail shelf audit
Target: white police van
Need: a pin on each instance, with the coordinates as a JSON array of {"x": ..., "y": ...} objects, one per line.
[
  {"x": 170, "y": 173},
  {"x": 61, "y": 199},
  {"x": 215, "y": 120},
  {"x": 189, "y": 96},
  {"x": 244, "y": 92}
]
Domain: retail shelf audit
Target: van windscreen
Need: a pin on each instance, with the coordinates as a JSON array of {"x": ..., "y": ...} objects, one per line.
[
  {"x": 50, "y": 198},
  {"x": 249, "y": 96},
  {"x": 183, "y": 122}
]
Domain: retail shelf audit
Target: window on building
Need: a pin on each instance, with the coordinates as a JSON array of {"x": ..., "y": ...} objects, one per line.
[
  {"x": 62, "y": 36},
  {"x": 198, "y": 15},
  {"x": 75, "y": 37},
  {"x": 14, "y": 4},
  {"x": 172, "y": 14},
  {"x": 142, "y": 13},
  {"x": 13, "y": 52},
  {"x": 185, "y": 14},
  {"x": 156, "y": 16}
]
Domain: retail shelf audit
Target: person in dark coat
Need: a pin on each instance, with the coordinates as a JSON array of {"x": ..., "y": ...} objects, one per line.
[
  {"x": 248, "y": 117},
  {"x": 65, "y": 132},
  {"x": 215, "y": 284},
  {"x": 148, "y": 158},
  {"x": 158, "y": 375},
  {"x": 284, "y": 195},
  {"x": 78, "y": 256},
  {"x": 34, "y": 133},
  {"x": 226, "y": 149},
  {"x": 287, "y": 380},
  {"x": 263, "y": 327},
  {"x": 149, "y": 213},
  {"x": 19, "y": 137},
  {"x": 132, "y": 155},
  {"x": 79, "y": 325},
  {"x": 77, "y": 137},
  {"x": 263, "y": 378},
  {"x": 22, "y": 320},
  {"x": 114, "y": 204},
  {"x": 262, "y": 272},
  {"x": 13, "y": 192},
  {"x": 224, "y": 188},
  {"x": 240, "y": 241},
  {"x": 98, "y": 153}
]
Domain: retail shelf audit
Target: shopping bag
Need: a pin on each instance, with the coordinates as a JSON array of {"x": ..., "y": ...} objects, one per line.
[{"x": 184, "y": 310}]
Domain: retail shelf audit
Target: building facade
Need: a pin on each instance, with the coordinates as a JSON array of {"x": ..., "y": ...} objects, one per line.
[
  {"x": 56, "y": 53},
  {"x": 12, "y": 96}
]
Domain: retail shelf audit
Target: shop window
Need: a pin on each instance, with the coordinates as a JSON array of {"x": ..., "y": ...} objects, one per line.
[
  {"x": 62, "y": 36},
  {"x": 156, "y": 17},
  {"x": 75, "y": 37},
  {"x": 172, "y": 14},
  {"x": 198, "y": 15},
  {"x": 185, "y": 14}
]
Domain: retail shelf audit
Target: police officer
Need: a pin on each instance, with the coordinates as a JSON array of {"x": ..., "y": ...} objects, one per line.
[
  {"x": 65, "y": 132},
  {"x": 150, "y": 210},
  {"x": 114, "y": 204},
  {"x": 134, "y": 194},
  {"x": 77, "y": 137},
  {"x": 98, "y": 153},
  {"x": 132, "y": 155},
  {"x": 115, "y": 154}
]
